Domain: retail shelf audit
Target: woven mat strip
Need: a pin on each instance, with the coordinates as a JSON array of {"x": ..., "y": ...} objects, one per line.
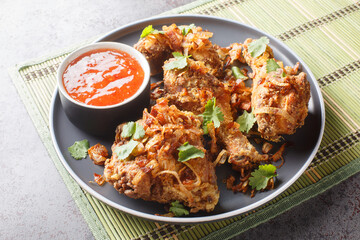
[
  {"x": 41, "y": 125},
  {"x": 335, "y": 63}
]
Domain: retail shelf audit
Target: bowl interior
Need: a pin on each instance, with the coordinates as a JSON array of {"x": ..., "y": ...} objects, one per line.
[{"x": 104, "y": 45}]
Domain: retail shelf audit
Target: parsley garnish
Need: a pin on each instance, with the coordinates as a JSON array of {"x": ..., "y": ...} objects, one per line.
[
  {"x": 188, "y": 151},
  {"x": 179, "y": 63},
  {"x": 134, "y": 130},
  {"x": 186, "y": 29},
  {"x": 79, "y": 149},
  {"x": 258, "y": 47},
  {"x": 260, "y": 177},
  {"x": 149, "y": 30},
  {"x": 246, "y": 121},
  {"x": 178, "y": 209},
  {"x": 238, "y": 74},
  {"x": 125, "y": 150},
  {"x": 212, "y": 113}
]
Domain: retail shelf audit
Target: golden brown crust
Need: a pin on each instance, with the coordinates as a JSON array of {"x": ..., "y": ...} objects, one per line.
[
  {"x": 154, "y": 174},
  {"x": 280, "y": 98},
  {"x": 157, "y": 48},
  {"x": 98, "y": 153},
  {"x": 189, "y": 89}
]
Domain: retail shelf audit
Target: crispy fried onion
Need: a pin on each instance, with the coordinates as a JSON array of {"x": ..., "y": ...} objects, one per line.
[
  {"x": 221, "y": 158},
  {"x": 277, "y": 83},
  {"x": 197, "y": 183},
  {"x": 278, "y": 155},
  {"x": 197, "y": 39},
  {"x": 275, "y": 111}
]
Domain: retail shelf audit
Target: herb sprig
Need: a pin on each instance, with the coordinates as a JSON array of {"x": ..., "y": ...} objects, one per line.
[
  {"x": 260, "y": 177},
  {"x": 179, "y": 63},
  {"x": 188, "y": 151},
  {"x": 258, "y": 47},
  {"x": 79, "y": 149},
  {"x": 178, "y": 209},
  {"x": 246, "y": 121},
  {"x": 213, "y": 114}
]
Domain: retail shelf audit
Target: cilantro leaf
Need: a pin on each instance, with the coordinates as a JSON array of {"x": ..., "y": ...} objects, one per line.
[
  {"x": 186, "y": 29},
  {"x": 125, "y": 150},
  {"x": 246, "y": 121},
  {"x": 238, "y": 74},
  {"x": 260, "y": 177},
  {"x": 212, "y": 113},
  {"x": 179, "y": 63},
  {"x": 271, "y": 65},
  {"x": 134, "y": 130},
  {"x": 128, "y": 130},
  {"x": 178, "y": 209},
  {"x": 79, "y": 149},
  {"x": 188, "y": 151},
  {"x": 258, "y": 47},
  {"x": 139, "y": 131},
  {"x": 149, "y": 30}
]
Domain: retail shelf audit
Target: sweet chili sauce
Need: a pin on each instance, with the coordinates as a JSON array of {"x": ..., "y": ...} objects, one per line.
[{"x": 103, "y": 77}]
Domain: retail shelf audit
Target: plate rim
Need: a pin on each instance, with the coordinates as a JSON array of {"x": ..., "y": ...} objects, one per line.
[{"x": 204, "y": 219}]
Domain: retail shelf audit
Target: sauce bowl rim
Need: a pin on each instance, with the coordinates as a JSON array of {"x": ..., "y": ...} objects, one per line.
[{"x": 98, "y": 46}]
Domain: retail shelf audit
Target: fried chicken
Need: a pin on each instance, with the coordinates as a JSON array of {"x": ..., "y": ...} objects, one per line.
[
  {"x": 279, "y": 98},
  {"x": 188, "y": 40},
  {"x": 189, "y": 89},
  {"x": 98, "y": 153},
  {"x": 152, "y": 172},
  {"x": 156, "y": 49}
]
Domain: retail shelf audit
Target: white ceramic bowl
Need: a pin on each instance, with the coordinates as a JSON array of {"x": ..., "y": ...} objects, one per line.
[{"x": 102, "y": 120}]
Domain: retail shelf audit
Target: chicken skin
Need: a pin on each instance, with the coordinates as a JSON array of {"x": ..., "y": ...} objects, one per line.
[
  {"x": 190, "y": 89},
  {"x": 279, "y": 98},
  {"x": 188, "y": 40},
  {"x": 153, "y": 172}
]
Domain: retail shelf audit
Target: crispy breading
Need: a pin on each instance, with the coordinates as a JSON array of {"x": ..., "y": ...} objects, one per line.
[
  {"x": 189, "y": 89},
  {"x": 152, "y": 171},
  {"x": 158, "y": 47},
  {"x": 279, "y": 98},
  {"x": 155, "y": 174}
]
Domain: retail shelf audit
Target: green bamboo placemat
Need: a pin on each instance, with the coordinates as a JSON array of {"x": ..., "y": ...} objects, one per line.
[{"x": 323, "y": 33}]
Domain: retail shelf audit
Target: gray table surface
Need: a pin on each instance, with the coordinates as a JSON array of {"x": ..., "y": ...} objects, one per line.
[{"x": 34, "y": 202}]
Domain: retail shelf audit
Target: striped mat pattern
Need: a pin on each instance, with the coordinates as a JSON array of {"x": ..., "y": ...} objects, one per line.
[{"x": 323, "y": 33}]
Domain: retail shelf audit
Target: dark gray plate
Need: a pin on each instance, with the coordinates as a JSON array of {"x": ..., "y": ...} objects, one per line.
[{"x": 297, "y": 157}]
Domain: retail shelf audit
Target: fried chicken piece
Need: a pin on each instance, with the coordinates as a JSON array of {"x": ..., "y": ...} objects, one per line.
[
  {"x": 190, "y": 89},
  {"x": 234, "y": 53},
  {"x": 279, "y": 98},
  {"x": 99, "y": 179},
  {"x": 158, "y": 47},
  {"x": 243, "y": 155},
  {"x": 98, "y": 153},
  {"x": 154, "y": 173},
  {"x": 240, "y": 95}
]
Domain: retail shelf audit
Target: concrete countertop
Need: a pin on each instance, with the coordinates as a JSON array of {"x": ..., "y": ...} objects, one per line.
[{"x": 35, "y": 204}]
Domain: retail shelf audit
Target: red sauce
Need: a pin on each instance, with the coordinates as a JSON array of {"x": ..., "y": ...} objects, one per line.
[{"x": 103, "y": 77}]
